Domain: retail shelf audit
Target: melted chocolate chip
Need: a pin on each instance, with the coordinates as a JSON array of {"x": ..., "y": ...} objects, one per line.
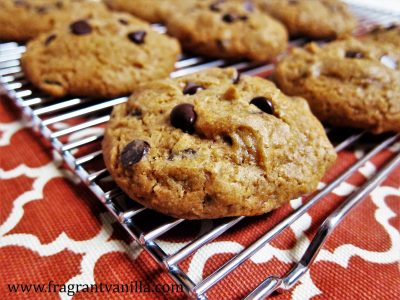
[
  {"x": 215, "y": 6},
  {"x": 52, "y": 82},
  {"x": 391, "y": 27},
  {"x": 134, "y": 152},
  {"x": 80, "y": 27},
  {"x": 229, "y": 18},
  {"x": 123, "y": 21},
  {"x": 263, "y": 104},
  {"x": 227, "y": 139},
  {"x": 137, "y": 36},
  {"x": 59, "y": 4},
  {"x": 236, "y": 79},
  {"x": 183, "y": 117},
  {"x": 389, "y": 62},
  {"x": 243, "y": 18},
  {"x": 293, "y": 2},
  {"x": 49, "y": 39},
  {"x": 192, "y": 88},
  {"x": 189, "y": 151},
  {"x": 42, "y": 9},
  {"x": 137, "y": 112},
  {"x": 354, "y": 54}
]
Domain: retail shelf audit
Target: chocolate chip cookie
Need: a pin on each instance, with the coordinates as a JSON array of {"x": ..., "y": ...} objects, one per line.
[
  {"x": 385, "y": 35},
  {"x": 99, "y": 57},
  {"x": 312, "y": 18},
  {"x": 347, "y": 83},
  {"x": 227, "y": 29},
  {"x": 22, "y": 20},
  {"x": 150, "y": 10},
  {"x": 214, "y": 144}
]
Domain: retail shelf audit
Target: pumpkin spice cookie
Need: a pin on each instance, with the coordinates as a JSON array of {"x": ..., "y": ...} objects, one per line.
[
  {"x": 347, "y": 83},
  {"x": 214, "y": 144},
  {"x": 22, "y": 20},
  {"x": 312, "y": 18},
  {"x": 227, "y": 29},
  {"x": 99, "y": 57}
]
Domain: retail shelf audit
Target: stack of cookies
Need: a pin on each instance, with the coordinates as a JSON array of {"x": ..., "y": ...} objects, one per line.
[{"x": 212, "y": 144}]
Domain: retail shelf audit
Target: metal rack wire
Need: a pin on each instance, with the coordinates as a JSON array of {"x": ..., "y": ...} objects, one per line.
[{"x": 83, "y": 155}]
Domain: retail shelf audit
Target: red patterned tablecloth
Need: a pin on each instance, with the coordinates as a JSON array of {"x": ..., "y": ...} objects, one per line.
[{"x": 54, "y": 232}]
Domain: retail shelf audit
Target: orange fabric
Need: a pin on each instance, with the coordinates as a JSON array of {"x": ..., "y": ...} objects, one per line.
[{"x": 53, "y": 229}]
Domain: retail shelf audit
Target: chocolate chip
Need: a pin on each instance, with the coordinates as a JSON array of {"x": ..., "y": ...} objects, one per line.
[
  {"x": 59, "y": 4},
  {"x": 243, "y": 18},
  {"x": 229, "y": 18},
  {"x": 293, "y": 2},
  {"x": 391, "y": 27},
  {"x": 227, "y": 139},
  {"x": 183, "y": 117},
  {"x": 389, "y": 62},
  {"x": 137, "y": 112},
  {"x": 42, "y": 9},
  {"x": 236, "y": 79},
  {"x": 189, "y": 151},
  {"x": 191, "y": 88},
  {"x": 137, "y": 36},
  {"x": 21, "y": 3},
  {"x": 49, "y": 39},
  {"x": 215, "y": 6},
  {"x": 134, "y": 152},
  {"x": 354, "y": 54},
  {"x": 80, "y": 27},
  {"x": 123, "y": 21},
  {"x": 263, "y": 104},
  {"x": 52, "y": 82}
]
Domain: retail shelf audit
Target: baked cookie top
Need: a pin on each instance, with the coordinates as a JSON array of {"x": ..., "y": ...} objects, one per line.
[
  {"x": 213, "y": 144},
  {"x": 347, "y": 83},
  {"x": 22, "y": 20},
  {"x": 313, "y": 18},
  {"x": 149, "y": 10},
  {"x": 231, "y": 29},
  {"x": 386, "y": 35},
  {"x": 99, "y": 57}
]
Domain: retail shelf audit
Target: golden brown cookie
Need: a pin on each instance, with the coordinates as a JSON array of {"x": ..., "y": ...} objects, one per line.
[
  {"x": 99, "y": 57},
  {"x": 227, "y": 29},
  {"x": 385, "y": 35},
  {"x": 149, "y": 10},
  {"x": 213, "y": 144},
  {"x": 22, "y": 20},
  {"x": 313, "y": 18},
  {"x": 347, "y": 83}
]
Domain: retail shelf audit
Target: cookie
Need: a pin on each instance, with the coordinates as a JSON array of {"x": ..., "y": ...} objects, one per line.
[
  {"x": 312, "y": 18},
  {"x": 152, "y": 11},
  {"x": 385, "y": 35},
  {"x": 347, "y": 83},
  {"x": 213, "y": 144},
  {"x": 99, "y": 57},
  {"x": 22, "y": 20},
  {"x": 231, "y": 29}
]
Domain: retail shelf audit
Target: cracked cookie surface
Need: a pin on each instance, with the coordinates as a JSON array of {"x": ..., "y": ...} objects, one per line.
[
  {"x": 313, "y": 18},
  {"x": 22, "y": 20},
  {"x": 227, "y": 29},
  {"x": 99, "y": 57},
  {"x": 213, "y": 144},
  {"x": 347, "y": 83}
]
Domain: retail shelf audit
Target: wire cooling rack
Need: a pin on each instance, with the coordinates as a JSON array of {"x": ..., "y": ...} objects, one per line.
[{"x": 65, "y": 123}]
